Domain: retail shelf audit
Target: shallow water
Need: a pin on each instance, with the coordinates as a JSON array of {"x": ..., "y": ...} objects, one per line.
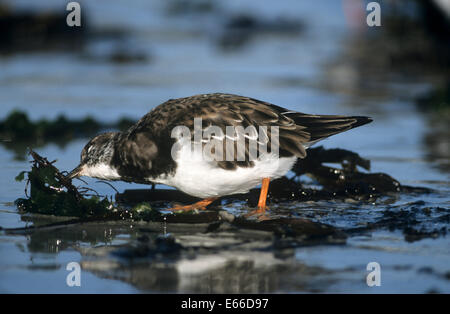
[{"x": 294, "y": 70}]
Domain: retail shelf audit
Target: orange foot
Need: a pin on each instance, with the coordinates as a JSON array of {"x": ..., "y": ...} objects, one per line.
[
  {"x": 261, "y": 211},
  {"x": 201, "y": 205}
]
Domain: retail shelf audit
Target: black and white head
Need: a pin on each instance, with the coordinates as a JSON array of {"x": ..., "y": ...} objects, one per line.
[{"x": 96, "y": 158}]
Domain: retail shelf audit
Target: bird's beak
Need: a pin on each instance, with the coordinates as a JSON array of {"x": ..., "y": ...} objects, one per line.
[{"x": 75, "y": 172}]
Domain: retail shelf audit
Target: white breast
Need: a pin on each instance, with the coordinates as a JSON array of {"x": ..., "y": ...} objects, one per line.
[{"x": 198, "y": 177}]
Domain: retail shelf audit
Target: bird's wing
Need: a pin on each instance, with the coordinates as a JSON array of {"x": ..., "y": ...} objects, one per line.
[{"x": 250, "y": 118}]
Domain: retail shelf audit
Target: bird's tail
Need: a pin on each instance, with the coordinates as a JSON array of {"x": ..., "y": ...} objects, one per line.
[{"x": 322, "y": 126}]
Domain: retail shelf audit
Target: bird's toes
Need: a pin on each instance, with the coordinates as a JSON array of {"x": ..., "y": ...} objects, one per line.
[{"x": 260, "y": 213}]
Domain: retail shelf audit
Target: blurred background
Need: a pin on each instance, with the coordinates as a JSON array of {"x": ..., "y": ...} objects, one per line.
[{"x": 311, "y": 56}]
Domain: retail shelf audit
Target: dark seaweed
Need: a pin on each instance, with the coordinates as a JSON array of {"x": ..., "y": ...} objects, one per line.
[
  {"x": 18, "y": 132},
  {"x": 52, "y": 193},
  {"x": 18, "y": 127}
]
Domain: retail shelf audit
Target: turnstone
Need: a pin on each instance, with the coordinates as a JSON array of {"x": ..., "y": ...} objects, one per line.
[{"x": 161, "y": 146}]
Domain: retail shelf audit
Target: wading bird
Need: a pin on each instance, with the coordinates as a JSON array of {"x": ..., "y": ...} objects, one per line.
[{"x": 148, "y": 152}]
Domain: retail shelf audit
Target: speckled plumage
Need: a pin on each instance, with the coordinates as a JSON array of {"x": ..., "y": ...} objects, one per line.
[{"x": 144, "y": 151}]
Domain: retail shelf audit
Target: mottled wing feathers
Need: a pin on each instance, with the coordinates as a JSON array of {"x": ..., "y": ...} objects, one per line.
[{"x": 297, "y": 131}]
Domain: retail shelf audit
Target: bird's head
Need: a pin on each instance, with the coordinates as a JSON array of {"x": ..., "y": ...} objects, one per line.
[{"x": 96, "y": 158}]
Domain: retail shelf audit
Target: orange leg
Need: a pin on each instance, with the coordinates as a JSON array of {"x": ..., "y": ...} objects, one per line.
[
  {"x": 262, "y": 199},
  {"x": 263, "y": 195},
  {"x": 200, "y": 205}
]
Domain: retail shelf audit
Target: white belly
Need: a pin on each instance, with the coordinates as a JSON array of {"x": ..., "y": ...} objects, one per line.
[{"x": 203, "y": 179}]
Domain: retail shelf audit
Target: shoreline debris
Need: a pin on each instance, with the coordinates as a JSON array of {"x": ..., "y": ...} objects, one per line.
[{"x": 51, "y": 192}]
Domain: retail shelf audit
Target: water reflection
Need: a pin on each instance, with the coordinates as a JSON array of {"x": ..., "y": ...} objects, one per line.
[{"x": 128, "y": 63}]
